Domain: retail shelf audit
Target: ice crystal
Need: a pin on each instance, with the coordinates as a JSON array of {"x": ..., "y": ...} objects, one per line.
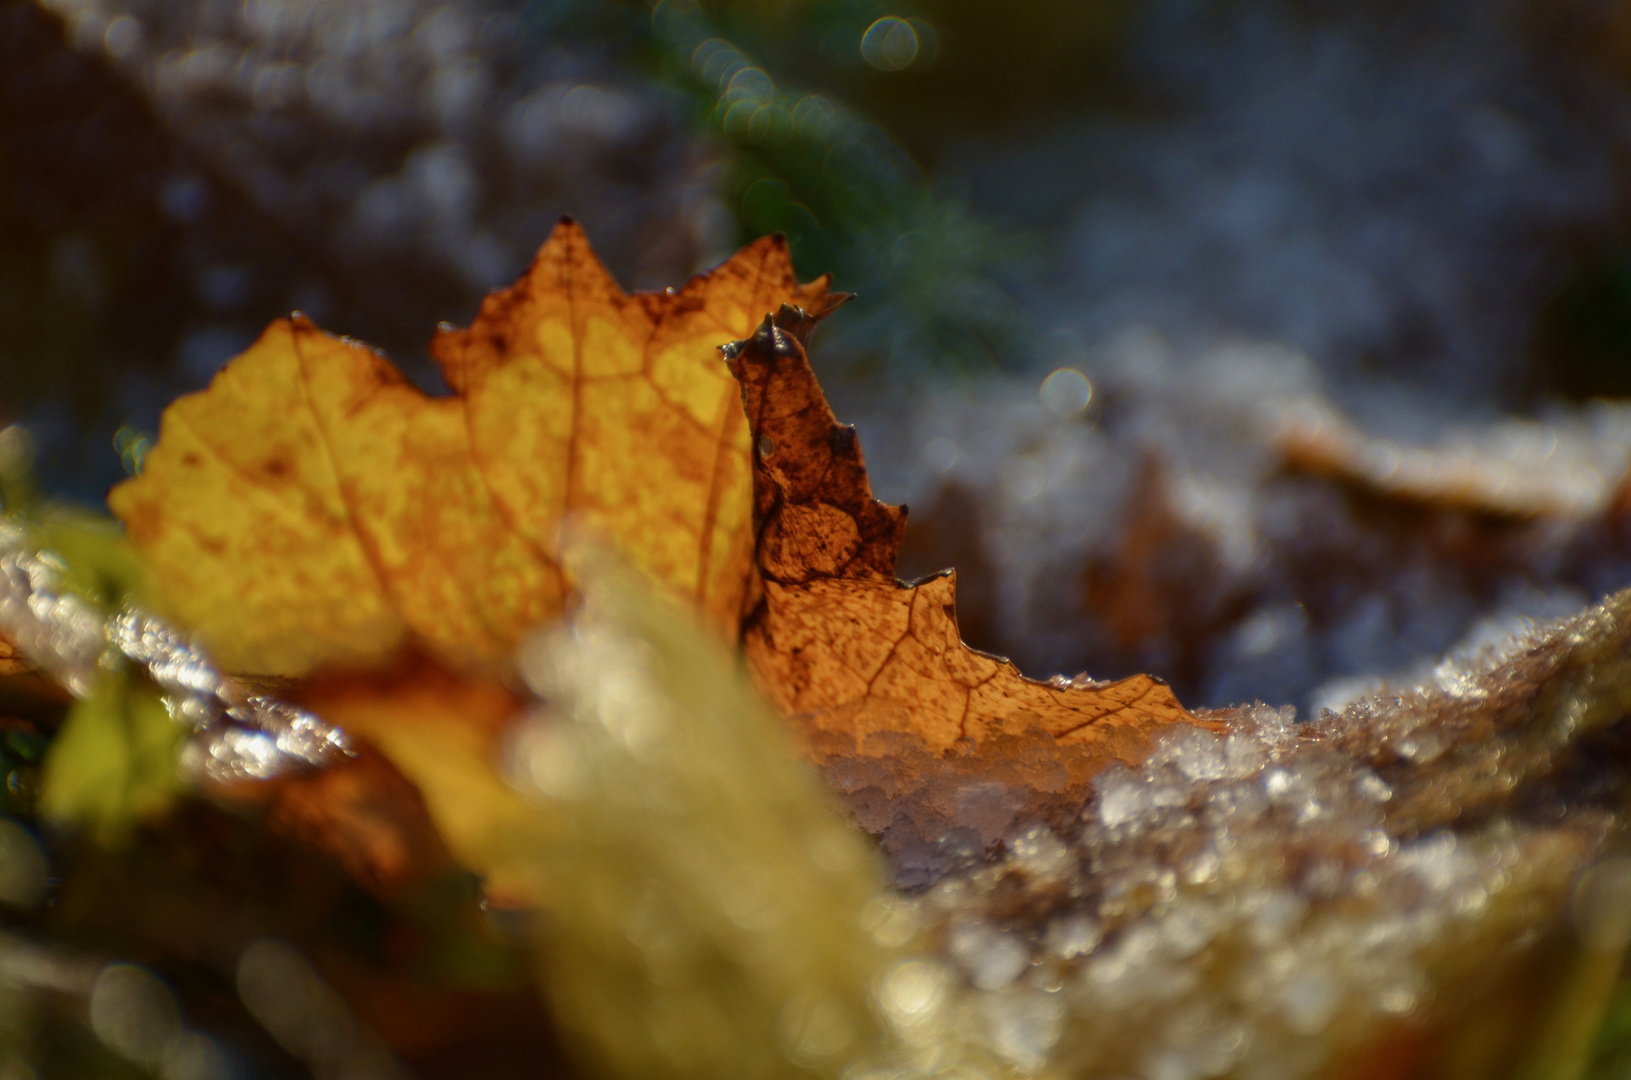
[{"x": 236, "y": 734}]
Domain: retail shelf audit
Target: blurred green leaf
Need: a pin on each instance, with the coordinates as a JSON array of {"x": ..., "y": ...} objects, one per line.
[
  {"x": 97, "y": 560},
  {"x": 113, "y": 764}
]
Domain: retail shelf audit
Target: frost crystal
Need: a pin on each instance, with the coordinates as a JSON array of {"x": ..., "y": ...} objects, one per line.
[
  {"x": 993, "y": 959},
  {"x": 236, "y": 735}
]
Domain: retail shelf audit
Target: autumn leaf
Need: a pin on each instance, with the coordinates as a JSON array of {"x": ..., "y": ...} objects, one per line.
[
  {"x": 312, "y": 514},
  {"x": 312, "y": 511},
  {"x": 841, "y": 644},
  {"x": 313, "y": 508}
]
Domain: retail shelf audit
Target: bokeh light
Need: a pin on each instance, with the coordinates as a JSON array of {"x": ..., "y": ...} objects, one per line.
[{"x": 890, "y": 44}]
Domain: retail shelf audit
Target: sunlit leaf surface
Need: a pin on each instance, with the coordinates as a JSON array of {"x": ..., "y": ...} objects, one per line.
[{"x": 313, "y": 508}]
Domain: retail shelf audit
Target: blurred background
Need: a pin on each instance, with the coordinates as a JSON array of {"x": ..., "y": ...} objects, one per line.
[{"x": 1201, "y": 214}]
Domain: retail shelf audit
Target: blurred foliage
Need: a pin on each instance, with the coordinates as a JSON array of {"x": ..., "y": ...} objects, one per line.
[
  {"x": 705, "y": 900},
  {"x": 94, "y": 557},
  {"x": 746, "y": 889},
  {"x": 22, "y": 748},
  {"x": 1612, "y": 1050},
  {"x": 113, "y": 763},
  {"x": 98, "y": 562},
  {"x": 930, "y": 276}
]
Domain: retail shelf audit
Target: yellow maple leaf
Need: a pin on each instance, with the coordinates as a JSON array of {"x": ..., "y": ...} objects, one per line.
[{"x": 313, "y": 508}]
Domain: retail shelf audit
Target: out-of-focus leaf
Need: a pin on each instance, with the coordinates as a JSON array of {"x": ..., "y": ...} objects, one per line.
[
  {"x": 97, "y": 560},
  {"x": 312, "y": 507},
  {"x": 440, "y": 732},
  {"x": 708, "y": 912},
  {"x": 114, "y": 761},
  {"x": 362, "y": 812}
]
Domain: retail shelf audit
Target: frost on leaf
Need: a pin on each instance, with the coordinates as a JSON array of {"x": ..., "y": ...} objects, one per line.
[
  {"x": 313, "y": 508},
  {"x": 1517, "y": 469},
  {"x": 1282, "y": 898},
  {"x": 842, "y": 645}
]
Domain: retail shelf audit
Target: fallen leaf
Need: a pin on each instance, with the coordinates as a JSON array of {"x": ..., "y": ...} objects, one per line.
[
  {"x": 1517, "y": 468},
  {"x": 842, "y": 645},
  {"x": 312, "y": 514},
  {"x": 313, "y": 508}
]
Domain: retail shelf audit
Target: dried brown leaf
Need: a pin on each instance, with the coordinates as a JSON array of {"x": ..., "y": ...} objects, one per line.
[{"x": 842, "y": 645}]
